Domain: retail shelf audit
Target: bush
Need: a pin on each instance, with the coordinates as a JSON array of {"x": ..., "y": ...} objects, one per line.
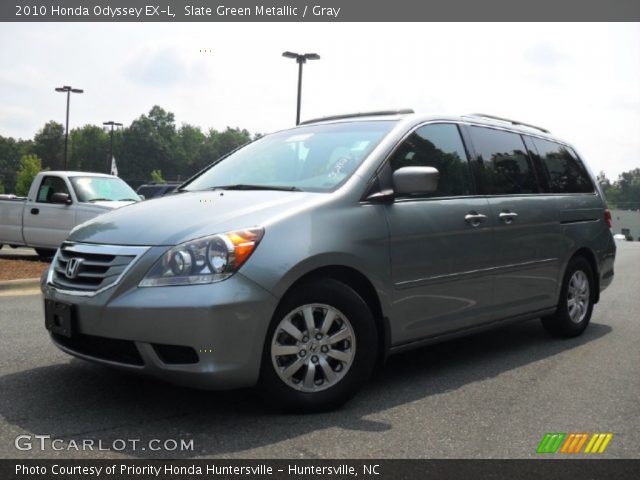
[{"x": 30, "y": 166}]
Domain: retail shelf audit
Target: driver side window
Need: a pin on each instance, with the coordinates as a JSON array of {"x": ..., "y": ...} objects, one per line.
[
  {"x": 438, "y": 146},
  {"x": 48, "y": 187}
]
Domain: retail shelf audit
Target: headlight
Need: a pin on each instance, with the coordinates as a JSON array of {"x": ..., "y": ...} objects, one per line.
[{"x": 204, "y": 260}]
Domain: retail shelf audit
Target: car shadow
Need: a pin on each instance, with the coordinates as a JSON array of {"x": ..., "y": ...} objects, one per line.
[{"x": 77, "y": 400}]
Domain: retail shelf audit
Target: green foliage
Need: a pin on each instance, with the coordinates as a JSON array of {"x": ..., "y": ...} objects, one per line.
[
  {"x": 30, "y": 165},
  {"x": 1, "y": 188},
  {"x": 624, "y": 193},
  {"x": 89, "y": 149},
  {"x": 48, "y": 144},
  {"x": 156, "y": 176},
  {"x": 151, "y": 142}
]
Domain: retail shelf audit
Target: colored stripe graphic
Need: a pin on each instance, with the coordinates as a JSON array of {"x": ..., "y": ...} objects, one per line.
[
  {"x": 550, "y": 442},
  {"x": 574, "y": 443},
  {"x": 598, "y": 442}
]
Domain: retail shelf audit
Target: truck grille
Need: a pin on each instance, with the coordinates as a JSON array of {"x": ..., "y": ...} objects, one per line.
[{"x": 88, "y": 269}]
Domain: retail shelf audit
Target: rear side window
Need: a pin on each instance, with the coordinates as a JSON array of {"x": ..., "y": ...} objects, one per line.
[
  {"x": 506, "y": 167},
  {"x": 564, "y": 171},
  {"x": 438, "y": 146}
]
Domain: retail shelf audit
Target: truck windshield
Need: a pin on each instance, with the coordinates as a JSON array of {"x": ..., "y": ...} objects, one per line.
[
  {"x": 317, "y": 158},
  {"x": 93, "y": 189}
]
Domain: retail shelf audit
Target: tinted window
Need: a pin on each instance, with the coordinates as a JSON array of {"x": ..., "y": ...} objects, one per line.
[
  {"x": 49, "y": 186},
  {"x": 507, "y": 169},
  {"x": 565, "y": 173},
  {"x": 438, "y": 146}
]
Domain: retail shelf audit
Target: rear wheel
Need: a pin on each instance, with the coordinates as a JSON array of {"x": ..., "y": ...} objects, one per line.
[
  {"x": 576, "y": 301},
  {"x": 320, "y": 348}
]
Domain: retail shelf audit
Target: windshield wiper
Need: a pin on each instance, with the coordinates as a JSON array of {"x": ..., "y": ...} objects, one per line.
[
  {"x": 246, "y": 186},
  {"x": 128, "y": 200},
  {"x": 100, "y": 200}
]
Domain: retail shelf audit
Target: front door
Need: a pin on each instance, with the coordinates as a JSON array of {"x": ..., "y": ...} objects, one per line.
[
  {"x": 47, "y": 224},
  {"x": 441, "y": 246}
]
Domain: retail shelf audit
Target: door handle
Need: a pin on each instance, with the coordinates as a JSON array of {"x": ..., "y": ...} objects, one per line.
[
  {"x": 474, "y": 218},
  {"x": 507, "y": 217},
  {"x": 35, "y": 211}
]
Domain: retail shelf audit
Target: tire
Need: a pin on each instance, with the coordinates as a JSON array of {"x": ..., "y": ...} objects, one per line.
[
  {"x": 576, "y": 301},
  {"x": 45, "y": 252},
  {"x": 295, "y": 365}
]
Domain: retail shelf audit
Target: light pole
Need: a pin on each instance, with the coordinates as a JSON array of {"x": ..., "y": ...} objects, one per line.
[
  {"x": 301, "y": 59},
  {"x": 69, "y": 90},
  {"x": 111, "y": 124}
]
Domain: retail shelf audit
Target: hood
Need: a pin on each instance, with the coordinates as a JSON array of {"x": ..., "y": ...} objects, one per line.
[{"x": 177, "y": 218}]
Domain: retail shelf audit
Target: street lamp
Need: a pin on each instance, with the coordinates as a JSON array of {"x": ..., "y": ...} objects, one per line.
[
  {"x": 111, "y": 124},
  {"x": 69, "y": 90},
  {"x": 301, "y": 59}
]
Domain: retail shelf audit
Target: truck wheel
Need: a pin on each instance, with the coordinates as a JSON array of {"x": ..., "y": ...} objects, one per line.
[
  {"x": 45, "y": 252},
  {"x": 576, "y": 301},
  {"x": 320, "y": 349}
]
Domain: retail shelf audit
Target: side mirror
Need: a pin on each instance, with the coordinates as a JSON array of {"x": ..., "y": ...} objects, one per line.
[
  {"x": 142, "y": 197},
  {"x": 415, "y": 180},
  {"x": 60, "y": 197}
]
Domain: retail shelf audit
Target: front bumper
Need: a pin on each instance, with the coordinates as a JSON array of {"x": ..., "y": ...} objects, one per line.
[{"x": 225, "y": 324}]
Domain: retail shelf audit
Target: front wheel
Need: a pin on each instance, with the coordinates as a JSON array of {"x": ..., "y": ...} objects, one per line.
[
  {"x": 576, "y": 301},
  {"x": 320, "y": 348}
]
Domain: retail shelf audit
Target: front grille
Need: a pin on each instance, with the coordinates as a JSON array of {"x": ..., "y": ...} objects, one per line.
[
  {"x": 98, "y": 266},
  {"x": 121, "y": 351}
]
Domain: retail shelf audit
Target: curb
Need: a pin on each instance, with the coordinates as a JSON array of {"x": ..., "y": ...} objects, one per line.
[{"x": 19, "y": 284}]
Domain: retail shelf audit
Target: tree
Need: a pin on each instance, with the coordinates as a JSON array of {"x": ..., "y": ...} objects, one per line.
[
  {"x": 48, "y": 144},
  {"x": 10, "y": 152},
  {"x": 89, "y": 149},
  {"x": 30, "y": 166},
  {"x": 156, "y": 176}
]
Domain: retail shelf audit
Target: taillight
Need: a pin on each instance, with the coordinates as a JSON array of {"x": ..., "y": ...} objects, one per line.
[{"x": 607, "y": 217}]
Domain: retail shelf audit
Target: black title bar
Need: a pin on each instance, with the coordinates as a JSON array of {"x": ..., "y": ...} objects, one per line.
[{"x": 317, "y": 10}]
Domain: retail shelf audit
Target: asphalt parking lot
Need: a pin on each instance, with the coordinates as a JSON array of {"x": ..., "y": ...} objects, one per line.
[{"x": 493, "y": 395}]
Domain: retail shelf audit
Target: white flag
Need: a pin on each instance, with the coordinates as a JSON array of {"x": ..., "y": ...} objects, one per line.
[{"x": 114, "y": 167}]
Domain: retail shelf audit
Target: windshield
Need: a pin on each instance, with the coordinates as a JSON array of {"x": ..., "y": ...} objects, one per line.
[
  {"x": 93, "y": 189},
  {"x": 317, "y": 158}
]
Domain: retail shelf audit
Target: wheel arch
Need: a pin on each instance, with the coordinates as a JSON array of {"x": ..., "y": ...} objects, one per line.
[{"x": 365, "y": 288}]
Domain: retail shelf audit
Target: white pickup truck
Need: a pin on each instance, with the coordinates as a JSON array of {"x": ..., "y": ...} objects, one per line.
[{"x": 57, "y": 202}]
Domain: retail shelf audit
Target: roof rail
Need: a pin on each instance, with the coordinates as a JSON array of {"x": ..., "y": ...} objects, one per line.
[
  {"x": 507, "y": 120},
  {"x": 360, "y": 114}
]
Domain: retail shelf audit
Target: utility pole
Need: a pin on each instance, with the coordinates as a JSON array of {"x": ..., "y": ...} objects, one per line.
[{"x": 68, "y": 90}]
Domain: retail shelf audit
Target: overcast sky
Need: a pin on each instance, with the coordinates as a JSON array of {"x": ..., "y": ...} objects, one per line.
[{"x": 581, "y": 81}]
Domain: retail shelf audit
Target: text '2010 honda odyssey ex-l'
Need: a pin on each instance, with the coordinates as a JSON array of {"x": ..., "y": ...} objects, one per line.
[{"x": 300, "y": 260}]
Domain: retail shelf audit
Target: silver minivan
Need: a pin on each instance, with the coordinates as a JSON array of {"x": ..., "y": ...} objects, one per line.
[{"x": 303, "y": 259}]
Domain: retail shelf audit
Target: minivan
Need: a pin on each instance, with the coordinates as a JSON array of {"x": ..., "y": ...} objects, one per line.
[{"x": 300, "y": 261}]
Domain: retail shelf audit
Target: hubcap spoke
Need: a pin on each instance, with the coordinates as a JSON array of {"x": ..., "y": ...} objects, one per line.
[
  {"x": 339, "y": 336},
  {"x": 293, "y": 368},
  {"x": 339, "y": 355},
  {"x": 310, "y": 376},
  {"x": 328, "y": 372},
  {"x": 280, "y": 350},
  {"x": 308, "y": 320},
  {"x": 327, "y": 321},
  {"x": 291, "y": 329}
]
